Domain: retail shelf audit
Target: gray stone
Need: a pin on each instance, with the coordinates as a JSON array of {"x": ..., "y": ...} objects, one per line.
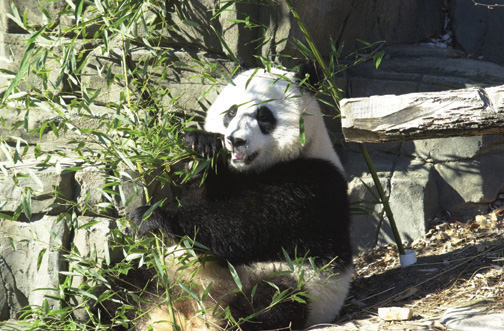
[
  {"x": 472, "y": 317},
  {"x": 413, "y": 197},
  {"x": 16, "y": 112},
  {"x": 421, "y": 74},
  {"x": 18, "y": 264},
  {"x": 12, "y": 50},
  {"x": 421, "y": 51},
  {"x": 471, "y": 181},
  {"x": 191, "y": 25},
  {"x": 41, "y": 113},
  {"x": 478, "y": 29},
  {"x": 131, "y": 192},
  {"x": 348, "y": 21},
  {"x": 34, "y": 14},
  {"x": 367, "y": 214},
  {"x": 42, "y": 180},
  {"x": 93, "y": 242},
  {"x": 88, "y": 194},
  {"x": 182, "y": 79},
  {"x": 454, "y": 148},
  {"x": 411, "y": 188}
]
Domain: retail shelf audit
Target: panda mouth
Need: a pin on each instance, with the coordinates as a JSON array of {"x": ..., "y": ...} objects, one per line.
[{"x": 239, "y": 158}]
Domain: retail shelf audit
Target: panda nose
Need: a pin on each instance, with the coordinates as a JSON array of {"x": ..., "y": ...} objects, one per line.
[{"x": 236, "y": 142}]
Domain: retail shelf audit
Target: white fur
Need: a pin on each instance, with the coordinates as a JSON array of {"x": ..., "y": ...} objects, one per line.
[
  {"x": 328, "y": 289},
  {"x": 288, "y": 103}
]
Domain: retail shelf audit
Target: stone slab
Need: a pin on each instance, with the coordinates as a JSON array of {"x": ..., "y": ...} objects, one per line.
[
  {"x": 413, "y": 197},
  {"x": 478, "y": 28},
  {"x": 453, "y": 148},
  {"x": 183, "y": 80},
  {"x": 470, "y": 181},
  {"x": 42, "y": 180},
  {"x": 34, "y": 14},
  {"x": 18, "y": 264}
]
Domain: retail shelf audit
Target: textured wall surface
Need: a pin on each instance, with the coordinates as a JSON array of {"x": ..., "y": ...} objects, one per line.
[{"x": 423, "y": 178}]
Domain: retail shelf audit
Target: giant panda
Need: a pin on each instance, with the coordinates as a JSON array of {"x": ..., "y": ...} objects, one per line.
[{"x": 274, "y": 198}]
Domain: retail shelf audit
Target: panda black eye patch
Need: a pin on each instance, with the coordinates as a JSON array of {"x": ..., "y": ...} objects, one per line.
[
  {"x": 230, "y": 114},
  {"x": 266, "y": 120}
]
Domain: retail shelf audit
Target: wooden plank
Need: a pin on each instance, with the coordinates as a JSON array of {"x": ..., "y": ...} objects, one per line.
[{"x": 466, "y": 112}]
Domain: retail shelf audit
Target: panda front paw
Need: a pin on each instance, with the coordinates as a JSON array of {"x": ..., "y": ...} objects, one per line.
[
  {"x": 157, "y": 220},
  {"x": 206, "y": 143}
]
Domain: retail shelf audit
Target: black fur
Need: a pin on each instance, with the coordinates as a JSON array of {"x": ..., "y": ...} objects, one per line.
[
  {"x": 266, "y": 120},
  {"x": 230, "y": 114},
  {"x": 314, "y": 72},
  {"x": 205, "y": 143},
  {"x": 246, "y": 217}
]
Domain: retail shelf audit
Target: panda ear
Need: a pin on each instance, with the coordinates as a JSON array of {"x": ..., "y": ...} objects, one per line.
[{"x": 314, "y": 73}]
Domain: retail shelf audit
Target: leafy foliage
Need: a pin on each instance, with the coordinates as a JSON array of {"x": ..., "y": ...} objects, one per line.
[{"x": 133, "y": 136}]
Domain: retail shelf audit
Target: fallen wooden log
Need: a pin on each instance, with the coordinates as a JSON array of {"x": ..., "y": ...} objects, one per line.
[{"x": 465, "y": 112}]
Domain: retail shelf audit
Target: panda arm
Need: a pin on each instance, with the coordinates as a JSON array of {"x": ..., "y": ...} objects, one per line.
[{"x": 203, "y": 142}]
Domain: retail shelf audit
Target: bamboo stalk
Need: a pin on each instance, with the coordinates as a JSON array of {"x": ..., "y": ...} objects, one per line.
[{"x": 336, "y": 97}]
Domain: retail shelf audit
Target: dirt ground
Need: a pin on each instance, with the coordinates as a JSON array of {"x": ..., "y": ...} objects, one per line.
[{"x": 458, "y": 263}]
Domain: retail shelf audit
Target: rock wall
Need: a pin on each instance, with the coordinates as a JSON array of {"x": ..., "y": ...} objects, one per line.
[{"x": 425, "y": 179}]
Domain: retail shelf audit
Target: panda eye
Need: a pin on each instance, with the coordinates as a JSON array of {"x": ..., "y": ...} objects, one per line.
[
  {"x": 266, "y": 120},
  {"x": 230, "y": 114}
]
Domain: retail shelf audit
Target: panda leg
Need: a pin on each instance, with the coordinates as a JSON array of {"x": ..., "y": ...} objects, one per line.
[{"x": 289, "y": 314}]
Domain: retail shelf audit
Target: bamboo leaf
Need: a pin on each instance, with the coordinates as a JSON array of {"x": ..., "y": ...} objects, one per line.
[
  {"x": 302, "y": 133},
  {"x": 235, "y": 276},
  {"x": 126, "y": 160},
  {"x": 223, "y": 43},
  {"x": 24, "y": 67},
  {"x": 27, "y": 206},
  {"x": 222, "y": 9},
  {"x": 378, "y": 58},
  {"x": 78, "y": 11},
  {"x": 191, "y": 293},
  {"x": 11, "y": 241},
  {"x": 71, "y": 169},
  {"x": 45, "y": 12},
  {"x": 40, "y": 257},
  {"x": 36, "y": 180}
]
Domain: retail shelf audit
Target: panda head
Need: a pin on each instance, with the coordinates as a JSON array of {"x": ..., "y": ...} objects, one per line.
[{"x": 259, "y": 115}]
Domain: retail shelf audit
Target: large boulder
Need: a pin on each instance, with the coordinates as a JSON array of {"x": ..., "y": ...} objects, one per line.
[{"x": 478, "y": 27}]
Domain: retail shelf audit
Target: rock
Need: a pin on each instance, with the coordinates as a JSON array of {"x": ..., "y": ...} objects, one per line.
[
  {"x": 12, "y": 50},
  {"x": 182, "y": 78},
  {"x": 478, "y": 29},
  {"x": 347, "y": 22},
  {"x": 93, "y": 242},
  {"x": 470, "y": 181},
  {"x": 367, "y": 215},
  {"x": 24, "y": 267},
  {"x": 395, "y": 313},
  {"x": 34, "y": 14},
  {"x": 41, "y": 113},
  {"x": 42, "y": 180},
  {"x": 413, "y": 197},
  {"x": 472, "y": 317},
  {"x": 90, "y": 183},
  {"x": 131, "y": 192},
  {"x": 421, "y": 68},
  {"x": 453, "y": 149}
]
